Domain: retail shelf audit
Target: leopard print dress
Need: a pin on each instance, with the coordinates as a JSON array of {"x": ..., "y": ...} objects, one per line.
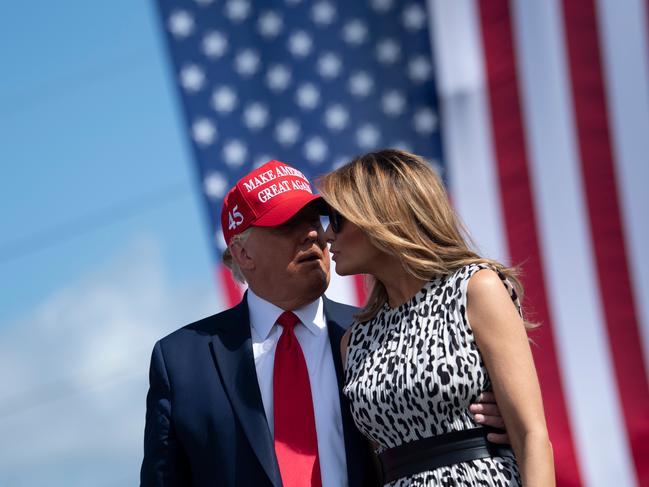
[{"x": 412, "y": 372}]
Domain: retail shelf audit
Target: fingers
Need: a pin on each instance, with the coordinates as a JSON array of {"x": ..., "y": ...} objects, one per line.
[
  {"x": 493, "y": 421},
  {"x": 499, "y": 438},
  {"x": 486, "y": 397},
  {"x": 486, "y": 409},
  {"x": 486, "y": 413}
]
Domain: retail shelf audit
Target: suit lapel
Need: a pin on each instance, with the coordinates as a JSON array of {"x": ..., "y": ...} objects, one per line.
[
  {"x": 355, "y": 446},
  {"x": 232, "y": 352}
]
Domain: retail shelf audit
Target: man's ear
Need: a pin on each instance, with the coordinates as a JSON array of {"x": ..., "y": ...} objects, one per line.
[{"x": 241, "y": 256}]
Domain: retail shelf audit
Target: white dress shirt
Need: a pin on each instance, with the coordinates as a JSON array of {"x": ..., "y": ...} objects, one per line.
[{"x": 314, "y": 340}]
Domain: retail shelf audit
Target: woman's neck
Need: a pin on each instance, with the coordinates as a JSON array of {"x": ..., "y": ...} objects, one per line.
[{"x": 399, "y": 285}]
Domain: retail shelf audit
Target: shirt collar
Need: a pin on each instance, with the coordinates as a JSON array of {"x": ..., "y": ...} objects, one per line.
[{"x": 264, "y": 314}]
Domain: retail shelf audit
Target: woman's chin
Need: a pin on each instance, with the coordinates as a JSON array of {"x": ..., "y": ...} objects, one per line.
[
  {"x": 351, "y": 267},
  {"x": 341, "y": 270}
]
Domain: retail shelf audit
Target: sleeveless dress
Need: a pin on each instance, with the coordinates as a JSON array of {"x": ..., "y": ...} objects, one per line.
[{"x": 412, "y": 372}]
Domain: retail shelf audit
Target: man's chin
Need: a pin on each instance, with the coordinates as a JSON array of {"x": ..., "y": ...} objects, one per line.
[{"x": 317, "y": 284}]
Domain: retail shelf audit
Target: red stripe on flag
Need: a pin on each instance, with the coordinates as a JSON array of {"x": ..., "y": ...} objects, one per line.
[
  {"x": 520, "y": 220},
  {"x": 231, "y": 289},
  {"x": 360, "y": 286},
  {"x": 598, "y": 172}
]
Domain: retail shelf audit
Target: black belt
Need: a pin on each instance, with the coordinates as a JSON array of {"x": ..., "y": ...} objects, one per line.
[{"x": 439, "y": 451}]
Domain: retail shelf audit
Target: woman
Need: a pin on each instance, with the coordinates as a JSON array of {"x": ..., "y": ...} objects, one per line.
[{"x": 441, "y": 326}]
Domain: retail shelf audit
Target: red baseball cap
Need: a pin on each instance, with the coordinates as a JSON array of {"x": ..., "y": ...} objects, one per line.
[{"x": 266, "y": 197}]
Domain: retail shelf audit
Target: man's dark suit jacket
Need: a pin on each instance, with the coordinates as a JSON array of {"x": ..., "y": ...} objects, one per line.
[{"x": 205, "y": 421}]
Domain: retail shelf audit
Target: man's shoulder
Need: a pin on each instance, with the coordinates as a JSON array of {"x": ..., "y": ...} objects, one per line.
[{"x": 205, "y": 328}]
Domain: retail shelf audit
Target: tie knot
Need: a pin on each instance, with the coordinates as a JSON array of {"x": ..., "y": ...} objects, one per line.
[{"x": 288, "y": 320}]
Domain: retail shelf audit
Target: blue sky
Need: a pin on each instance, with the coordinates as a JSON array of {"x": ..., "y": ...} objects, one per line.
[{"x": 103, "y": 237}]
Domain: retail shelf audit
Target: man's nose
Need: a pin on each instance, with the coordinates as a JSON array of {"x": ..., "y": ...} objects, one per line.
[{"x": 315, "y": 233}]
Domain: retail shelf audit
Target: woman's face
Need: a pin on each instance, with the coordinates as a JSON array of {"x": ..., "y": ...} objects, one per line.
[{"x": 352, "y": 250}]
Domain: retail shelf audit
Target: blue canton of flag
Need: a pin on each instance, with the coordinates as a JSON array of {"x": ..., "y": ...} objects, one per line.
[{"x": 308, "y": 83}]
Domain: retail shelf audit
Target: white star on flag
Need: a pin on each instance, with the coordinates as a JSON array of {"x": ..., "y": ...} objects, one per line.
[
  {"x": 181, "y": 24},
  {"x": 300, "y": 44},
  {"x": 215, "y": 45},
  {"x": 355, "y": 32},
  {"x": 393, "y": 103},
  {"x": 360, "y": 84},
  {"x": 192, "y": 78},
  {"x": 256, "y": 116},
  {"x": 340, "y": 161},
  {"x": 425, "y": 121},
  {"x": 278, "y": 77},
  {"x": 419, "y": 69},
  {"x": 402, "y": 145},
  {"x": 287, "y": 131},
  {"x": 323, "y": 13},
  {"x": 234, "y": 153},
  {"x": 388, "y": 51},
  {"x": 329, "y": 65},
  {"x": 316, "y": 150},
  {"x": 367, "y": 136},
  {"x": 308, "y": 96},
  {"x": 269, "y": 24},
  {"x": 224, "y": 99},
  {"x": 215, "y": 185},
  {"x": 237, "y": 10},
  {"x": 413, "y": 17},
  {"x": 336, "y": 117},
  {"x": 204, "y": 131},
  {"x": 247, "y": 62},
  {"x": 381, "y": 6}
]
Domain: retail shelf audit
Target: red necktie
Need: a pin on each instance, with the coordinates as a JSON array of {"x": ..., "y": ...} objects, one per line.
[{"x": 296, "y": 443}]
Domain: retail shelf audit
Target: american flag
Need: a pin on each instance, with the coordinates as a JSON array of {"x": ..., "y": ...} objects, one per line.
[{"x": 535, "y": 113}]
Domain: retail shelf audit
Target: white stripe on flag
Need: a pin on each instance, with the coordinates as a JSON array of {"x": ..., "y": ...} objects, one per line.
[
  {"x": 625, "y": 41},
  {"x": 566, "y": 247},
  {"x": 468, "y": 149}
]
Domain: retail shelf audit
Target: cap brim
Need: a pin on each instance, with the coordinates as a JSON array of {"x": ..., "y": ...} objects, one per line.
[{"x": 287, "y": 209}]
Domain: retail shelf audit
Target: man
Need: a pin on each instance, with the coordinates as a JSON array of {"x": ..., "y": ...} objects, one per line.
[{"x": 252, "y": 396}]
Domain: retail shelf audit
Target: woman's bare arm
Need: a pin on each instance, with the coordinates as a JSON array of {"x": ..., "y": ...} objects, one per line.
[{"x": 503, "y": 344}]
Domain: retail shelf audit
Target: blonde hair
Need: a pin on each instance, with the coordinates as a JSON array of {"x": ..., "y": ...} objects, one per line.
[
  {"x": 229, "y": 261},
  {"x": 399, "y": 201}
]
